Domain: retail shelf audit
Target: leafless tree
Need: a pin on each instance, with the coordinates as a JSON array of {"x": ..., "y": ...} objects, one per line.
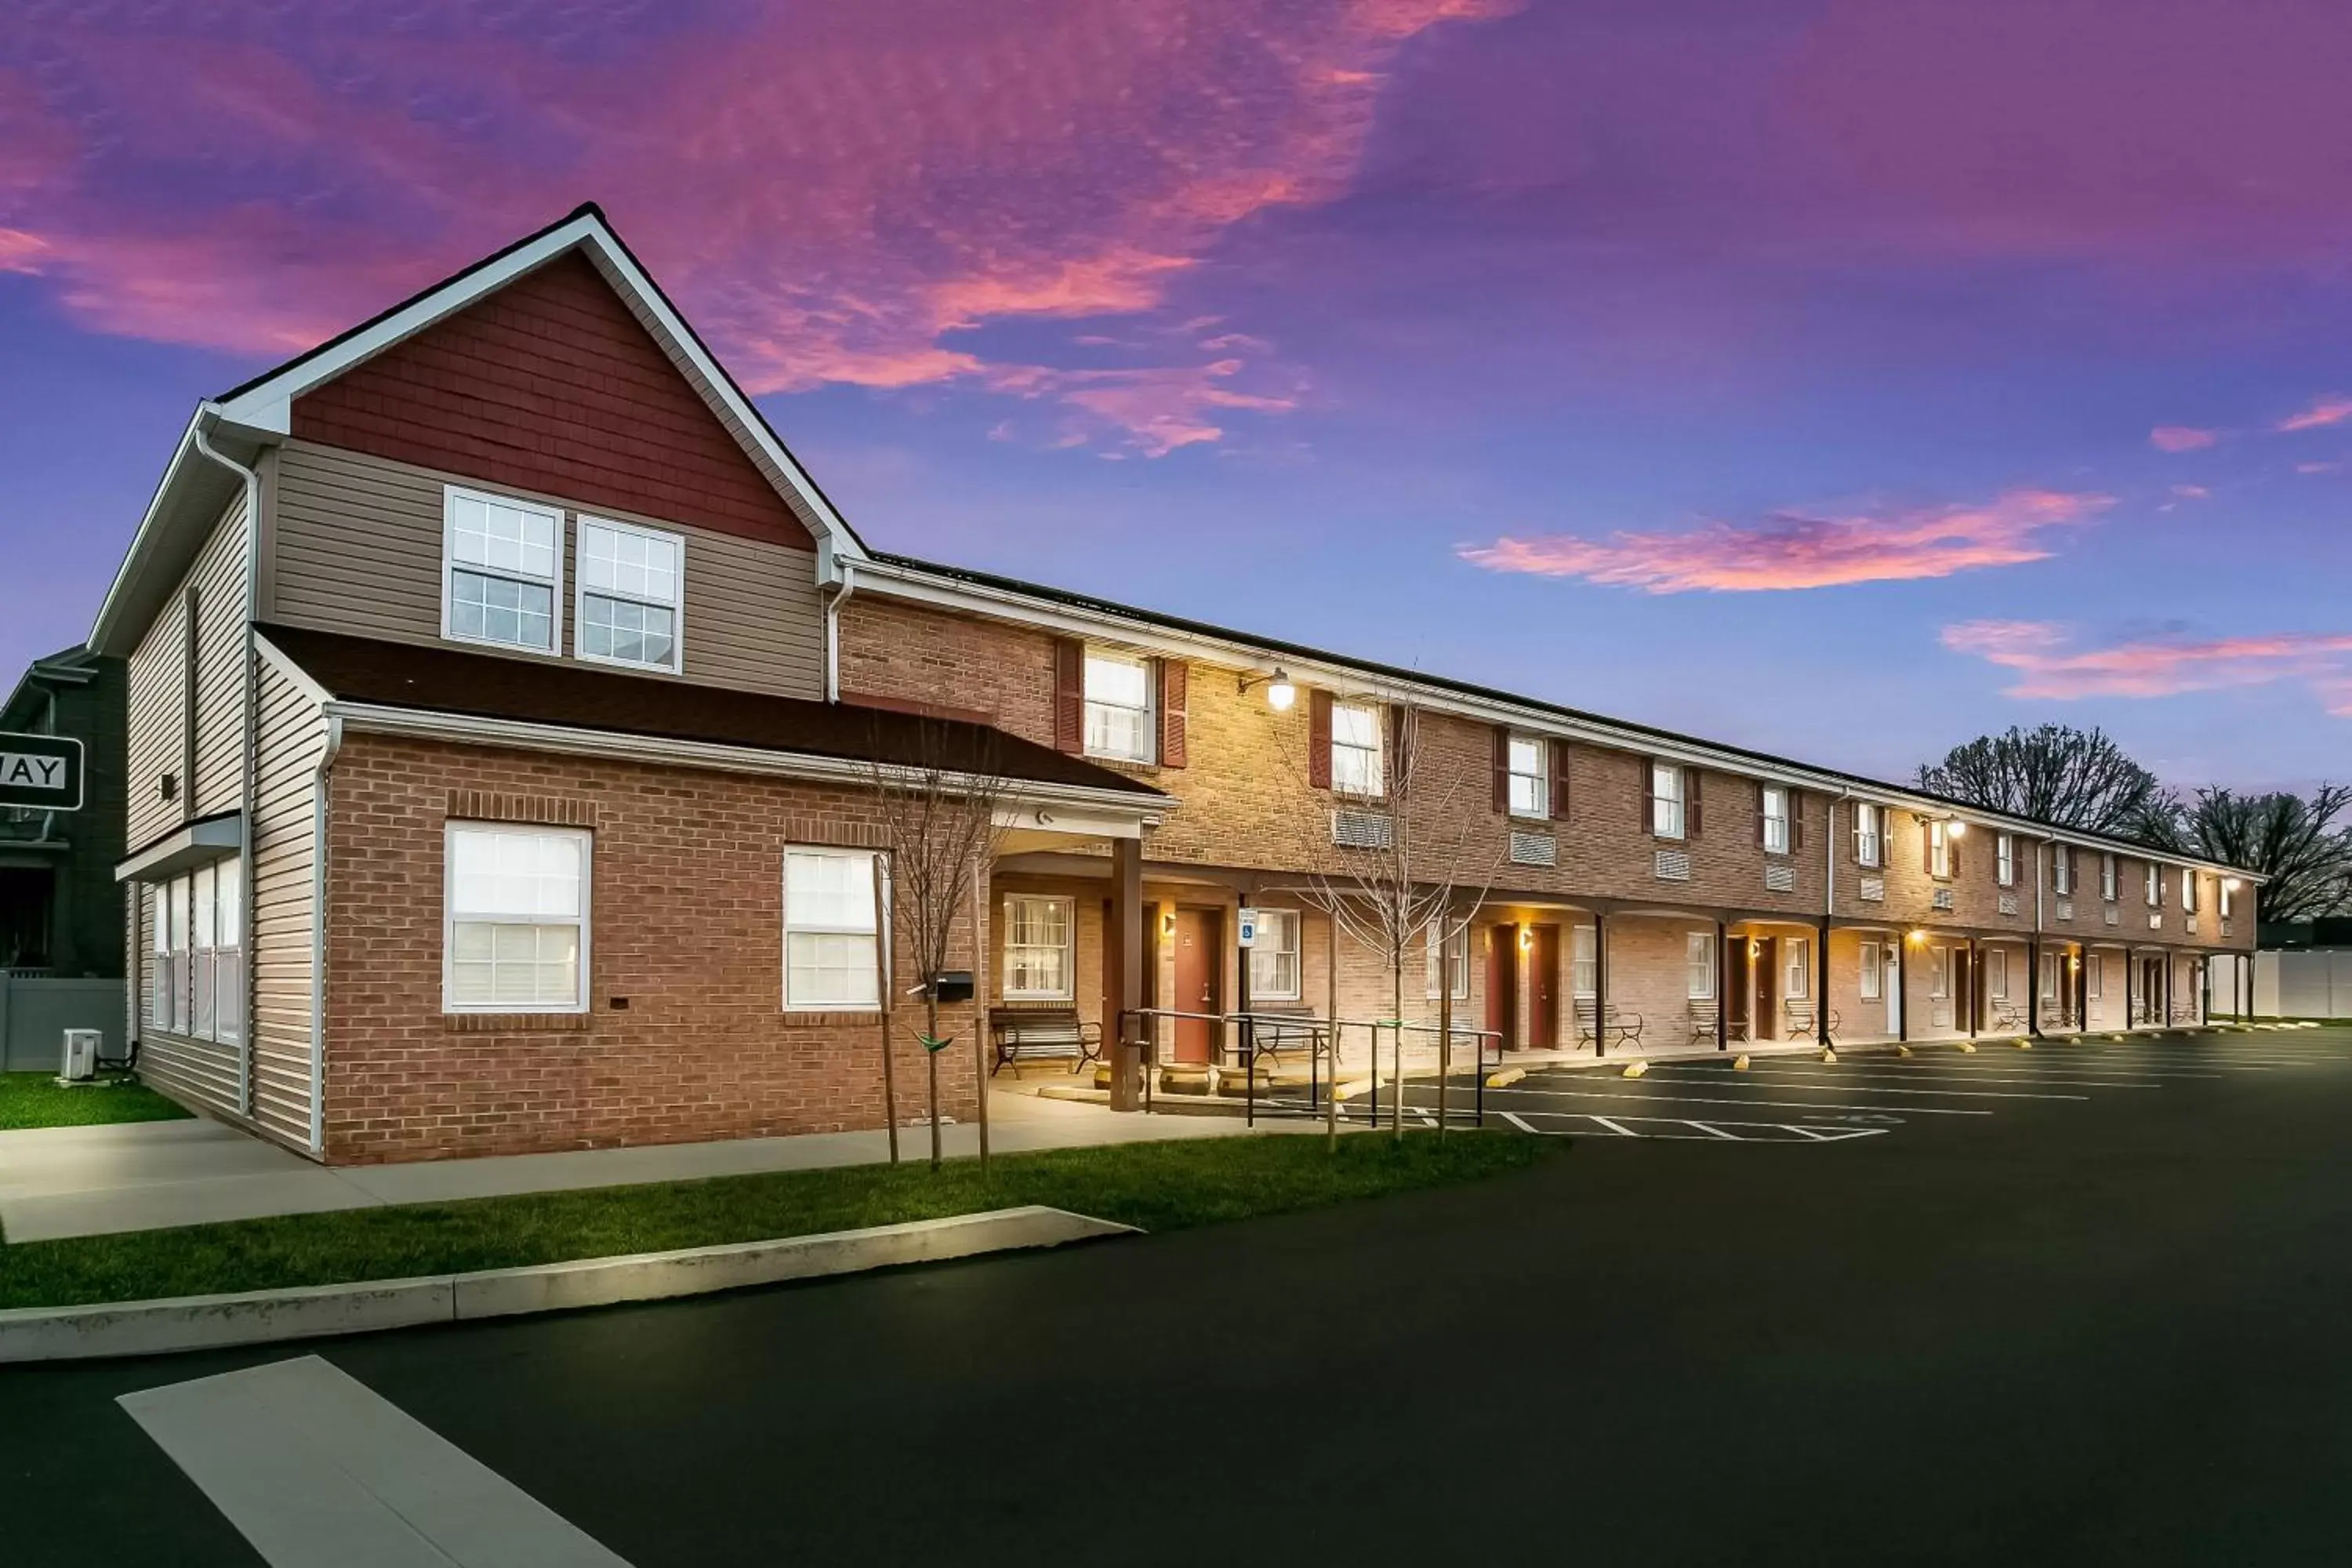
[
  {"x": 2075, "y": 778},
  {"x": 1420, "y": 881},
  {"x": 2291, "y": 840},
  {"x": 939, "y": 787}
]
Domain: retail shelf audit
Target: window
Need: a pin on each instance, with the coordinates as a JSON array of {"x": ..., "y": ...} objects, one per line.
[
  {"x": 1119, "y": 707},
  {"x": 1356, "y": 749},
  {"x": 1797, "y": 974},
  {"x": 1531, "y": 781},
  {"x": 1996, "y": 974},
  {"x": 2108, "y": 878},
  {"x": 1939, "y": 975},
  {"x": 1698, "y": 964},
  {"x": 1939, "y": 848},
  {"x": 631, "y": 583},
  {"x": 2095, "y": 971},
  {"x": 1039, "y": 941},
  {"x": 501, "y": 570},
  {"x": 1274, "y": 957},
  {"x": 515, "y": 912},
  {"x": 1865, "y": 833},
  {"x": 2050, "y": 977},
  {"x": 2061, "y": 869},
  {"x": 1775, "y": 820},
  {"x": 1583, "y": 971},
  {"x": 196, "y": 981},
  {"x": 831, "y": 952},
  {"x": 2151, "y": 883},
  {"x": 2228, "y": 898},
  {"x": 2188, "y": 889},
  {"x": 2004, "y": 859},
  {"x": 1666, "y": 800},
  {"x": 1871, "y": 983},
  {"x": 1461, "y": 946}
]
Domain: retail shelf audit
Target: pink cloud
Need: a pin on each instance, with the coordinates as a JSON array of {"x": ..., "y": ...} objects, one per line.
[
  {"x": 2191, "y": 493},
  {"x": 2180, "y": 438},
  {"x": 2331, "y": 410},
  {"x": 836, "y": 194},
  {"x": 2317, "y": 468},
  {"x": 2049, "y": 667},
  {"x": 1793, "y": 550}
]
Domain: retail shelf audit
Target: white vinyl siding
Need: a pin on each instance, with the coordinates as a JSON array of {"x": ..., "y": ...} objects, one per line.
[
  {"x": 1040, "y": 949},
  {"x": 1119, "y": 708},
  {"x": 1530, "y": 780},
  {"x": 515, "y": 919},
  {"x": 1666, "y": 800},
  {"x": 501, "y": 572},
  {"x": 831, "y": 958},
  {"x": 632, "y": 584},
  {"x": 1356, "y": 750},
  {"x": 1274, "y": 957}
]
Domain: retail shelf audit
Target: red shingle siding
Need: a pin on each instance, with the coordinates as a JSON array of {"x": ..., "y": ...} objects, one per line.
[
  {"x": 551, "y": 384},
  {"x": 685, "y": 923}
]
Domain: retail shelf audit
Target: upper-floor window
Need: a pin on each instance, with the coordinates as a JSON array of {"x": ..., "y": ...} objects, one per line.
[
  {"x": 1274, "y": 957},
  {"x": 1939, "y": 848},
  {"x": 630, "y": 580},
  {"x": 501, "y": 570},
  {"x": 1866, "y": 820},
  {"x": 2229, "y": 897},
  {"x": 2188, "y": 889},
  {"x": 2151, "y": 883},
  {"x": 1040, "y": 949},
  {"x": 2062, "y": 868},
  {"x": 831, "y": 931},
  {"x": 2108, "y": 877},
  {"x": 2004, "y": 859},
  {"x": 515, "y": 920},
  {"x": 1775, "y": 820},
  {"x": 1118, "y": 706},
  {"x": 1531, "y": 779},
  {"x": 1356, "y": 749},
  {"x": 1667, "y": 800}
]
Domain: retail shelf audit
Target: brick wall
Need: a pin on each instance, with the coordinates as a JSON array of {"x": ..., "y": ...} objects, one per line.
[
  {"x": 551, "y": 384},
  {"x": 686, "y": 912}
]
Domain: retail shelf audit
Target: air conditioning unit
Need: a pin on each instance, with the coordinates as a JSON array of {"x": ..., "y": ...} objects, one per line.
[{"x": 81, "y": 1056}]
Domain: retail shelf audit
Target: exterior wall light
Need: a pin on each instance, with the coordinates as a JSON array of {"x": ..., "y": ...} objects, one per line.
[
  {"x": 2229, "y": 884},
  {"x": 1279, "y": 692},
  {"x": 1960, "y": 828},
  {"x": 1918, "y": 938},
  {"x": 1527, "y": 938}
]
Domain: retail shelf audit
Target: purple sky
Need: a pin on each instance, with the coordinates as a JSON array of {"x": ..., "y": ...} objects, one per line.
[{"x": 1840, "y": 379}]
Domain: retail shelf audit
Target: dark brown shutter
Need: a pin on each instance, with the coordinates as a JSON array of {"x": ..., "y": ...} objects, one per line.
[
  {"x": 1399, "y": 748},
  {"x": 1926, "y": 846},
  {"x": 1796, "y": 820},
  {"x": 1691, "y": 819},
  {"x": 1319, "y": 738},
  {"x": 1952, "y": 855},
  {"x": 1503, "y": 770},
  {"x": 1069, "y": 695},
  {"x": 1763, "y": 800},
  {"x": 1649, "y": 795},
  {"x": 1175, "y": 690},
  {"x": 1559, "y": 749}
]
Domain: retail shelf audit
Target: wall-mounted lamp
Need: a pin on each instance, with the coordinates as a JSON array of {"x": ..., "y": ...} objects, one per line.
[
  {"x": 1960, "y": 829},
  {"x": 1167, "y": 922},
  {"x": 1918, "y": 938},
  {"x": 1527, "y": 938},
  {"x": 2229, "y": 884},
  {"x": 1279, "y": 693}
]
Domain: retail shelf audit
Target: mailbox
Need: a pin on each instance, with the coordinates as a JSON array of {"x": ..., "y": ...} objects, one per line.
[{"x": 954, "y": 985}]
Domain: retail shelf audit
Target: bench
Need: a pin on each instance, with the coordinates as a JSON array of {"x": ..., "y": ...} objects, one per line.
[
  {"x": 1041, "y": 1034},
  {"x": 2008, "y": 1019},
  {"x": 1800, "y": 1020},
  {"x": 1625, "y": 1027},
  {"x": 1275, "y": 1038},
  {"x": 1703, "y": 1016}
]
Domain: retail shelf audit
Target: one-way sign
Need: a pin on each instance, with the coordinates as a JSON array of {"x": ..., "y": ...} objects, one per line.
[{"x": 40, "y": 771}]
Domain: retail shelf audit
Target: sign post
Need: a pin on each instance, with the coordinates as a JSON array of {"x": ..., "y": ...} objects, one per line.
[{"x": 42, "y": 772}]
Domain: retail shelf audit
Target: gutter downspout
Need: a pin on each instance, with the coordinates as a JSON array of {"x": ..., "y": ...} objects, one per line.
[
  {"x": 1829, "y": 909},
  {"x": 319, "y": 934},
  {"x": 842, "y": 587},
  {"x": 249, "y": 762}
]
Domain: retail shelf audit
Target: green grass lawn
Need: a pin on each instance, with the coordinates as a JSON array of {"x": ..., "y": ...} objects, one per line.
[
  {"x": 34, "y": 1100},
  {"x": 1156, "y": 1186}
]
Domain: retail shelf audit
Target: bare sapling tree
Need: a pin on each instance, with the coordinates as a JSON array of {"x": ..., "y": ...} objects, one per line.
[
  {"x": 939, "y": 790},
  {"x": 1416, "y": 877}
]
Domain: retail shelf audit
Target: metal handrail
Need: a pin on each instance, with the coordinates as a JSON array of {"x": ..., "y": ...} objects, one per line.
[{"x": 1332, "y": 1032}]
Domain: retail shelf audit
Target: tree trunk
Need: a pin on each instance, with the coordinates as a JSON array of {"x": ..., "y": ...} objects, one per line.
[
  {"x": 882, "y": 995},
  {"x": 931, "y": 1061},
  {"x": 1444, "y": 1026},
  {"x": 1396, "y": 1051}
]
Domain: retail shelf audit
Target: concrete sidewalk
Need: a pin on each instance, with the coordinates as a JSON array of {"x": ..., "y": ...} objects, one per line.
[{"x": 98, "y": 1180}]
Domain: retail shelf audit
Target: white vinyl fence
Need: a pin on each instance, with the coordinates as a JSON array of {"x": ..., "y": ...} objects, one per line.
[
  {"x": 36, "y": 1010},
  {"x": 2308, "y": 983}
]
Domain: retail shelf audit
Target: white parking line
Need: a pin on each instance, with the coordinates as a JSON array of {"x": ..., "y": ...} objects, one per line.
[
  {"x": 1713, "y": 1130},
  {"x": 1715, "y": 1080},
  {"x": 1890, "y": 1075},
  {"x": 1653, "y": 1098},
  {"x": 317, "y": 1470}
]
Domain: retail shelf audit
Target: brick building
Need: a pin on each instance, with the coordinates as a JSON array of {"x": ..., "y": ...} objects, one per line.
[{"x": 510, "y": 715}]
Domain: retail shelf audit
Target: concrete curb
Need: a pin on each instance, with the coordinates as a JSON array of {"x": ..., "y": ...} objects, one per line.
[{"x": 262, "y": 1317}]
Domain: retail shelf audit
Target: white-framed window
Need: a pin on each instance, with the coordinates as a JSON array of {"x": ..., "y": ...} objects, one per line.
[
  {"x": 1698, "y": 964},
  {"x": 1667, "y": 800},
  {"x": 2151, "y": 884},
  {"x": 1120, "y": 707},
  {"x": 1866, "y": 839},
  {"x": 514, "y": 935},
  {"x": 2062, "y": 868},
  {"x": 1274, "y": 957},
  {"x": 1356, "y": 749},
  {"x": 1796, "y": 972},
  {"x": 501, "y": 570},
  {"x": 1432, "y": 982},
  {"x": 1530, "y": 777},
  {"x": 1939, "y": 974},
  {"x": 2228, "y": 899},
  {"x": 632, "y": 592},
  {"x": 2108, "y": 878},
  {"x": 1584, "y": 969},
  {"x": 195, "y": 977},
  {"x": 1871, "y": 983},
  {"x": 832, "y": 929},
  {"x": 1775, "y": 820},
  {"x": 2050, "y": 977},
  {"x": 2188, "y": 889},
  {"x": 1996, "y": 974},
  {"x": 2095, "y": 977},
  {"x": 2004, "y": 859},
  {"x": 1040, "y": 948},
  {"x": 1939, "y": 848}
]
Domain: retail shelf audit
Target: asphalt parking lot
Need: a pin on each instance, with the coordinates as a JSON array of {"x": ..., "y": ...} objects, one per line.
[{"x": 2095, "y": 1316}]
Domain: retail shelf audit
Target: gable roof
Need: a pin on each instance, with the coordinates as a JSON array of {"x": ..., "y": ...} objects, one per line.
[{"x": 240, "y": 423}]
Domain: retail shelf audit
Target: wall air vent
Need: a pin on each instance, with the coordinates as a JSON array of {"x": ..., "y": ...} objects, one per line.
[
  {"x": 1674, "y": 866},
  {"x": 1360, "y": 830},
  {"x": 1534, "y": 848},
  {"x": 1779, "y": 878},
  {"x": 1872, "y": 890}
]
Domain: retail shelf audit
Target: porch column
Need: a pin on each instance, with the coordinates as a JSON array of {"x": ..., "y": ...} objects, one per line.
[
  {"x": 2131, "y": 981},
  {"x": 2033, "y": 987},
  {"x": 1972, "y": 1002},
  {"x": 1821, "y": 988},
  {"x": 1600, "y": 983},
  {"x": 1902, "y": 946},
  {"x": 1722, "y": 989},
  {"x": 1126, "y": 991}
]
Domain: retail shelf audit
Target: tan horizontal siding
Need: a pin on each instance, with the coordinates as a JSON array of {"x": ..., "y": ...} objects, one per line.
[
  {"x": 218, "y": 575},
  {"x": 156, "y": 713},
  {"x": 292, "y": 736},
  {"x": 358, "y": 550}
]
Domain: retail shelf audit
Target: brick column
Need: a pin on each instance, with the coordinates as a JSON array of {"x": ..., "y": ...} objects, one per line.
[{"x": 1127, "y": 979}]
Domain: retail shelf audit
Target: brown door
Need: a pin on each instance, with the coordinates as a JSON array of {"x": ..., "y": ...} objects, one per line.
[
  {"x": 1543, "y": 990},
  {"x": 1739, "y": 988},
  {"x": 1503, "y": 984},
  {"x": 1199, "y": 970},
  {"x": 1767, "y": 989}
]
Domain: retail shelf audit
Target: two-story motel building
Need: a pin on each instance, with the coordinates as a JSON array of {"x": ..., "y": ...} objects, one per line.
[{"x": 503, "y": 702}]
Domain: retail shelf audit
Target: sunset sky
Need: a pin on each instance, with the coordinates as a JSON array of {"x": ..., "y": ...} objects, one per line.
[{"x": 1841, "y": 379}]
